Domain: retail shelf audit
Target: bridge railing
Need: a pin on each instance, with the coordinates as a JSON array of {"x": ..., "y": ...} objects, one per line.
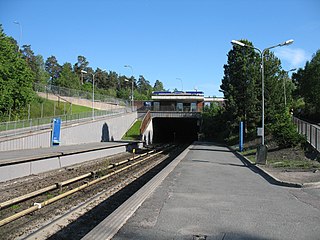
[
  {"x": 170, "y": 109},
  {"x": 311, "y": 131}
]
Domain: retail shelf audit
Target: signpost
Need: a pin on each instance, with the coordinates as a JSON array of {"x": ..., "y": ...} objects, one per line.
[{"x": 55, "y": 134}]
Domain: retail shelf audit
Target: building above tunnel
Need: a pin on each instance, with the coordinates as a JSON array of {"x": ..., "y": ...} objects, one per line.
[
  {"x": 178, "y": 101},
  {"x": 189, "y": 101}
]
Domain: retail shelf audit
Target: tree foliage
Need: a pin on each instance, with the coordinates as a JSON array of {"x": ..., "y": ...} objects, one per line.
[
  {"x": 53, "y": 68},
  {"x": 242, "y": 88},
  {"x": 16, "y": 78},
  {"x": 308, "y": 87},
  {"x": 285, "y": 132},
  {"x": 68, "y": 78}
]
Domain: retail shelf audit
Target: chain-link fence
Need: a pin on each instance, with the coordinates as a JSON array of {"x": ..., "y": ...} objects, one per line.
[
  {"x": 74, "y": 93},
  {"x": 104, "y": 106},
  {"x": 13, "y": 128}
]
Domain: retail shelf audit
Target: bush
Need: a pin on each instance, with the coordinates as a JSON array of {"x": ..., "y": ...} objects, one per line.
[{"x": 285, "y": 132}]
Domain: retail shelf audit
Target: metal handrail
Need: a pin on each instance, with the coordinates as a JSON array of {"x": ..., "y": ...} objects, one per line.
[{"x": 310, "y": 131}]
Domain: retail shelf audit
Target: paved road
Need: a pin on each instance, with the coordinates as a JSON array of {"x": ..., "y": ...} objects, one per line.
[{"x": 211, "y": 193}]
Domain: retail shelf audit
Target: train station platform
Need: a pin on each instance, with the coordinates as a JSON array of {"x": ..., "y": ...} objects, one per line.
[
  {"x": 21, "y": 163},
  {"x": 209, "y": 193}
]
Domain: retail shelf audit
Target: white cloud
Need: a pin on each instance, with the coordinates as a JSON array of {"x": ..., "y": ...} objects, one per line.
[{"x": 295, "y": 57}]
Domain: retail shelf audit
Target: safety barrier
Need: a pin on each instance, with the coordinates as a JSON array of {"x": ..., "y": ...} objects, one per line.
[{"x": 311, "y": 131}]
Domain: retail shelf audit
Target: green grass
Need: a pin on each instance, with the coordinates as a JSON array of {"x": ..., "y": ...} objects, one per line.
[
  {"x": 54, "y": 108},
  {"x": 42, "y": 111},
  {"x": 134, "y": 132},
  {"x": 15, "y": 207},
  {"x": 294, "y": 164},
  {"x": 283, "y": 163}
]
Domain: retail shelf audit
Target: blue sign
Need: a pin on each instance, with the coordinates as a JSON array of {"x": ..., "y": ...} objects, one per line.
[
  {"x": 55, "y": 136},
  {"x": 241, "y": 137}
]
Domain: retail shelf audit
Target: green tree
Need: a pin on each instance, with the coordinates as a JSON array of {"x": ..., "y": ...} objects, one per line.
[
  {"x": 308, "y": 87},
  {"x": 158, "y": 86},
  {"x": 144, "y": 89},
  {"x": 274, "y": 96},
  {"x": 67, "y": 77},
  {"x": 36, "y": 63},
  {"x": 107, "y": 80},
  {"x": 53, "y": 69},
  {"x": 16, "y": 78},
  {"x": 240, "y": 86},
  {"x": 213, "y": 125},
  {"x": 41, "y": 76},
  {"x": 81, "y": 64}
]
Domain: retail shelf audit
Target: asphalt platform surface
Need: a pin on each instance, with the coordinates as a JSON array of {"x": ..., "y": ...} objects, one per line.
[{"x": 211, "y": 194}]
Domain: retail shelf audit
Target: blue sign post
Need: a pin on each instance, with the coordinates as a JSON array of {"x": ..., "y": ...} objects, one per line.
[
  {"x": 55, "y": 135},
  {"x": 241, "y": 137}
]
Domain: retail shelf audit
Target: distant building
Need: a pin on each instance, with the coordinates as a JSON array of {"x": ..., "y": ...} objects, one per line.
[
  {"x": 189, "y": 101},
  {"x": 219, "y": 101}
]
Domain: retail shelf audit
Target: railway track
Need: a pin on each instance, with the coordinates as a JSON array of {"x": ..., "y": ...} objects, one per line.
[{"x": 64, "y": 201}]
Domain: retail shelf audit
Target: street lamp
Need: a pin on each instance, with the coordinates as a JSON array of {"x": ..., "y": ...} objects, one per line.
[
  {"x": 181, "y": 83},
  {"x": 132, "y": 103},
  {"x": 85, "y": 72},
  {"x": 288, "y": 42},
  {"x": 16, "y": 22},
  {"x": 284, "y": 87}
]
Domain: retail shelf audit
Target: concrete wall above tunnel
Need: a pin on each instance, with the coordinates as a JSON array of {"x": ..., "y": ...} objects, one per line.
[{"x": 181, "y": 130}]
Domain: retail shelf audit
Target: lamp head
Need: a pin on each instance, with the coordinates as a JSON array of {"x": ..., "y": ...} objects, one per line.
[
  {"x": 83, "y": 71},
  {"x": 235, "y": 42},
  {"x": 288, "y": 42}
]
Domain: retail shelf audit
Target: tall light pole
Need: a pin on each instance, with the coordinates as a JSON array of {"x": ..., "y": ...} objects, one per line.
[
  {"x": 288, "y": 42},
  {"x": 132, "y": 103},
  {"x": 284, "y": 86},
  {"x": 85, "y": 72},
  {"x": 20, "y": 37},
  {"x": 181, "y": 83}
]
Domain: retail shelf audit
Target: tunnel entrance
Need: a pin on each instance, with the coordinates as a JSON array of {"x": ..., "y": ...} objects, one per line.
[{"x": 178, "y": 130}]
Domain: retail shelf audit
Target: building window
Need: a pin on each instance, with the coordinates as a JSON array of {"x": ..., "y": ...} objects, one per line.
[
  {"x": 180, "y": 107},
  {"x": 193, "y": 107}
]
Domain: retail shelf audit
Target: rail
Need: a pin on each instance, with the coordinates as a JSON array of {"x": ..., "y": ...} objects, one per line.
[
  {"x": 145, "y": 122},
  {"x": 145, "y": 156},
  {"x": 311, "y": 131}
]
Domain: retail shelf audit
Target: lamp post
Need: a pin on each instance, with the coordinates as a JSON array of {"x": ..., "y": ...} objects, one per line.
[
  {"x": 20, "y": 37},
  {"x": 288, "y": 42},
  {"x": 181, "y": 83},
  {"x": 132, "y": 103},
  {"x": 284, "y": 87},
  {"x": 85, "y": 72}
]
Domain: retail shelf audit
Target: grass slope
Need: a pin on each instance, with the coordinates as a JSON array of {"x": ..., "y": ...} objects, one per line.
[{"x": 134, "y": 132}]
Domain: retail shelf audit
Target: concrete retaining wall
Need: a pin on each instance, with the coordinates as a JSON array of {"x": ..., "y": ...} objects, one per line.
[
  {"x": 103, "y": 129},
  {"x": 23, "y": 169}
]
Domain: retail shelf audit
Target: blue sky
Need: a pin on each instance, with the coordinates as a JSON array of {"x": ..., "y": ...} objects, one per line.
[{"x": 164, "y": 39}]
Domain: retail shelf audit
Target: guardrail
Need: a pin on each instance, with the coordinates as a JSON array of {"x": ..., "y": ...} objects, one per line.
[{"x": 311, "y": 131}]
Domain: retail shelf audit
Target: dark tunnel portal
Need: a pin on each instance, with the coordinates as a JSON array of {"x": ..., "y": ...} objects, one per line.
[{"x": 178, "y": 130}]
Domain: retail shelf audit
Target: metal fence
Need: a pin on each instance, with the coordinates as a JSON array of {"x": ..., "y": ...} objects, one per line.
[
  {"x": 74, "y": 93},
  {"x": 14, "y": 128},
  {"x": 311, "y": 131},
  {"x": 117, "y": 106}
]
